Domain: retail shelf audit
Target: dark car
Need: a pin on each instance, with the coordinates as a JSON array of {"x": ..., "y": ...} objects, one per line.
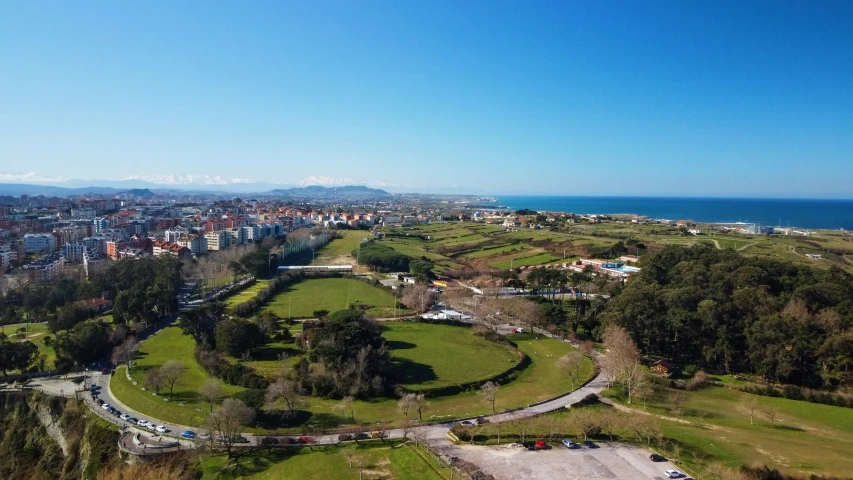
[
  {"x": 305, "y": 440},
  {"x": 269, "y": 441},
  {"x": 589, "y": 444},
  {"x": 482, "y": 421},
  {"x": 657, "y": 458},
  {"x": 361, "y": 436},
  {"x": 99, "y": 401},
  {"x": 345, "y": 437}
]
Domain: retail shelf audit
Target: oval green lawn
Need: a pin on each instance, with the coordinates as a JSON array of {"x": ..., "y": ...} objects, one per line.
[{"x": 430, "y": 356}]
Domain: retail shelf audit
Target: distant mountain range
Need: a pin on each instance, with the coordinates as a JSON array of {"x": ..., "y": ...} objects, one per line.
[{"x": 142, "y": 188}]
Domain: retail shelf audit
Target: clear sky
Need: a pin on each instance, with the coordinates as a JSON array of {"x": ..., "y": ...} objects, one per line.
[{"x": 727, "y": 98}]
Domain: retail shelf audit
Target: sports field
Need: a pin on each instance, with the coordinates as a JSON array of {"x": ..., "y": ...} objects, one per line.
[{"x": 301, "y": 299}]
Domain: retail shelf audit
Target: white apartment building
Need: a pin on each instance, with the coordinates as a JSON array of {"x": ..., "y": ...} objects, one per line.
[
  {"x": 39, "y": 243},
  {"x": 5, "y": 256},
  {"x": 96, "y": 244},
  {"x": 174, "y": 234},
  {"x": 217, "y": 240},
  {"x": 93, "y": 264},
  {"x": 196, "y": 243},
  {"x": 73, "y": 252},
  {"x": 238, "y": 236},
  {"x": 252, "y": 233}
]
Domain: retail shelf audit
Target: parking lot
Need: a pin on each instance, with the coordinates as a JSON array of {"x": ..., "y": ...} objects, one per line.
[{"x": 610, "y": 461}]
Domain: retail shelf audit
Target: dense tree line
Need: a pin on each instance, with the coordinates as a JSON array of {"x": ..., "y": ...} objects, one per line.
[
  {"x": 382, "y": 258},
  {"x": 732, "y": 313}
]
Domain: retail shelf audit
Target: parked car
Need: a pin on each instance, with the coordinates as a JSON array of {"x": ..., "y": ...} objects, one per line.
[
  {"x": 657, "y": 458},
  {"x": 589, "y": 444},
  {"x": 133, "y": 420},
  {"x": 124, "y": 416},
  {"x": 482, "y": 420},
  {"x": 361, "y": 436},
  {"x": 188, "y": 434},
  {"x": 378, "y": 434},
  {"x": 104, "y": 371},
  {"x": 204, "y": 436},
  {"x": 105, "y": 406},
  {"x": 466, "y": 423},
  {"x": 141, "y": 423},
  {"x": 305, "y": 440},
  {"x": 541, "y": 445},
  {"x": 99, "y": 401},
  {"x": 161, "y": 429},
  {"x": 570, "y": 444},
  {"x": 674, "y": 474},
  {"x": 345, "y": 437},
  {"x": 269, "y": 441}
]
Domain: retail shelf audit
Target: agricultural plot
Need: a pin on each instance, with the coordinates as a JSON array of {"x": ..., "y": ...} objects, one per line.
[
  {"x": 525, "y": 259},
  {"x": 489, "y": 252}
]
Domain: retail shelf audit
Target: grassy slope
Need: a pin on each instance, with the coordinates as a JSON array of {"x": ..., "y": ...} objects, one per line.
[
  {"x": 807, "y": 437},
  {"x": 344, "y": 245},
  {"x": 399, "y": 462},
  {"x": 246, "y": 294},
  {"x": 303, "y": 298},
  {"x": 168, "y": 344},
  {"x": 442, "y": 355}
]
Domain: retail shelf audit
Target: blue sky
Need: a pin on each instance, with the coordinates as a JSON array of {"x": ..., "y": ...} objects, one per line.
[{"x": 649, "y": 98}]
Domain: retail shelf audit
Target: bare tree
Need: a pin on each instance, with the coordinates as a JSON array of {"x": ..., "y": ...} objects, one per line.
[
  {"x": 770, "y": 413},
  {"x": 346, "y": 407},
  {"x": 288, "y": 391},
  {"x": 676, "y": 404},
  {"x": 644, "y": 391},
  {"x": 749, "y": 404},
  {"x": 211, "y": 391},
  {"x": 350, "y": 456},
  {"x": 405, "y": 404},
  {"x": 227, "y": 421},
  {"x": 418, "y": 297},
  {"x": 172, "y": 371},
  {"x": 126, "y": 352},
  {"x": 587, "y": 348},
  {"x": 408, "y": 428},
  {"x": 489, "y": 393},
  {"x": 570, "y": 363},
  {"x": 154, "y": 380},
  {"x": 634, "y": 377},
  {"x": 420, "y": 404}
]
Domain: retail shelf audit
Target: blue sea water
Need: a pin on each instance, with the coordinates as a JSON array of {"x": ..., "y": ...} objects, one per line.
[{"x": 802, "y": 213}]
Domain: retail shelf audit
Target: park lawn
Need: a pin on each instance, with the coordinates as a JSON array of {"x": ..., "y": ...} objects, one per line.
[
  {"x": 36, "y": 333},
  {"x": 301, "y": 299},
  {"x": 342, "y": 246},
  {"x": 541, "y": 380},
  {"x": 385, "y": 460},
  {"x": 430, "y": 356},
  {"x": 167, "y": 344},
  {"x": 807, "y": 438},
  {"x": 247, "y": 293}
]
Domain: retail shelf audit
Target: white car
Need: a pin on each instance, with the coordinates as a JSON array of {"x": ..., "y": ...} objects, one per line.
[
  {"x": 673, "y": 474},
  {"x": 105, "y": 406},
  {"x": 151, "y": 427},
  {"x": 161, "y": 429},
  {"x": 124, "y": 416},
  {"x": 141, "y": 423}
]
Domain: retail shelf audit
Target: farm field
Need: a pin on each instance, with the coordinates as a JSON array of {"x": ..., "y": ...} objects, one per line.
[
  {"x": 386, "y": 460},
  {"x": 429, "y": 355},
  {"x": 301, "y": 299},
  {"x": 168, "y": 344},
  {"x": 525, "y": 260},
  {"x": 806, "y": 438}
]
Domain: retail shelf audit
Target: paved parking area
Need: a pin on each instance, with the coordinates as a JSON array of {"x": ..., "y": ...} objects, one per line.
[{"x": 610, "y": 461}]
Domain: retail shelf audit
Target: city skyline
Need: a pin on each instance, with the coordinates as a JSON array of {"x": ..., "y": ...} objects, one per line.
[{"x": 720, "y": 99}]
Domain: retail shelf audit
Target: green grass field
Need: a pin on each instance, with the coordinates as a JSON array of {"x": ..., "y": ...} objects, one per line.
[
  {"x": 303, "y": 298},
  {"x": 525, "y": 261},
  {"x": 489, "y": 252},
  {"x": 168, "y": 344},
  {"x": 429, "y": 356},
  {"x": 386, "y": 460},
  {"x": 246, "y": 294},
  {"x": 342, "y": 246},
  {"x": 806, "y": 438}
]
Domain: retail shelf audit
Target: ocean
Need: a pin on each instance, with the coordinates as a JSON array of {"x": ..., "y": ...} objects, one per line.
[{"x": 802, "y": 213}]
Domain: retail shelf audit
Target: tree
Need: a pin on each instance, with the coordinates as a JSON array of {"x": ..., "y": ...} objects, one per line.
[
  {"x": 770, "y": 413},
  {"x": 405, "y": 404},
  {"x": 288, "y": 391},
  {"x": 154, "y": 380},
  {"x": 235, "y": 337},
  {"x": 418, "y": 297},
  {"x": 420, "y": 404},
  {"x": 200, "y": 323},
  {"x": 85, "y": 343},
  {"x": 346, "y": 406},
  {"x": 749, "y": 404},
  {"x": 172, "y": 373},
  {"x": 211, "y": 391},
  {"x": 15, "y": 355},
  {"x": 570, "y": 363},
  {"x": 226, "y": 422},
  {"x": 489, "y": 393},
  {"x": 126, "y": 352}
]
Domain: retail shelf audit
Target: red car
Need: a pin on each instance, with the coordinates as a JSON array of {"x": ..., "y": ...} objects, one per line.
[
  {"x": 540, "y": 445},
  {"x": 305, "y": 440}
]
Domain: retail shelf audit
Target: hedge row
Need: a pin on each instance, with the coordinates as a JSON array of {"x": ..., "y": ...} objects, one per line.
[{"x": 231, "y": 373}]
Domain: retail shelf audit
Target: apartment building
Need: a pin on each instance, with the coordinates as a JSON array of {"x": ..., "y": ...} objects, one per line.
[
  {"x": 196, "y": 243},
  {"x": 73, "y": 252},
  {"x": 45, "y": 268},
  {"x": 39, "y": 243},
  {"x": 93, "y": 264},
  {"x": 217, "y": 240},
  {"x": 167, "y": 248}
]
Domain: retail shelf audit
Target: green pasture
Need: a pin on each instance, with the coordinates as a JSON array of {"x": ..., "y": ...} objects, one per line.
[
  {"x": 246, "y": 294},
  {"x": 342, "y": 246}
]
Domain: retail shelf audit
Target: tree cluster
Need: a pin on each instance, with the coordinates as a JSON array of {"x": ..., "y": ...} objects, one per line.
[
  {"x": 732, "y": 313},
  {"x": 15, "y": 355},
  {"x": 382, "y": 258}
]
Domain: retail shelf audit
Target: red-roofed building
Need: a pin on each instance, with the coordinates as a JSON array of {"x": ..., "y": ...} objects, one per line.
[
  {"x": 167, "y": 248},
  {"x": 96, "y": 305}
]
